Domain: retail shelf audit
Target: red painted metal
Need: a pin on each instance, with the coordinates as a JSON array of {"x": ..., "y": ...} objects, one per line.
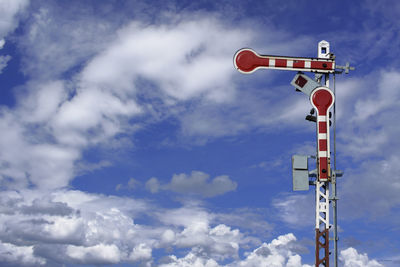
[
  {"x": 322, "y": 99},
  {"x": 322, "y": 241},
  {"x": 247, "y": 61}
]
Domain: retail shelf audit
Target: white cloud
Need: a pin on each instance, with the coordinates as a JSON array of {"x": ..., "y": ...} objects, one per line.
[
  {"x": 52, "y": 47},
  {"x": 141, "y": 252},
  {"x": 351, "y": 258},
  {"x": 91, "y": 110},
  {"x": 194, "y": 231},
  {"x": 188, "y": 261},
  {"x": 98, "y": 254},
  {"x": 132, "y": 184},
  {"x": 26, "y": 160},
  {"x": 56, "y": 120},
  {"x": 41, "y": 101},
  {"x": 9, "y": 11},
  {"x": 85, "y": 167},
  {"x": 9, "y": 15},
  {"x": 73, "y": 226},
  {"x": 12, "y": 255},
  {"x": 94, "y": 229},
  {"x": 278, "y": 253},
  {"x": 78, "y": 227},
  {"x": 194, "y": 184},
  {"x": 3, "y": 61},
  {"x": 198, "y": 61},
  {"x": 153, "y": 185}
]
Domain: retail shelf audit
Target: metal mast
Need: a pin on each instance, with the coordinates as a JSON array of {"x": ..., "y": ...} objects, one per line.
[{"x": 322, "y": 100}]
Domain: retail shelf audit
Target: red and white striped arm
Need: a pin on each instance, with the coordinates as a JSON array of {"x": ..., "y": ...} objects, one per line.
[
  {"x": 322, "y": 100},
  {"x": 247, "y": 61}
]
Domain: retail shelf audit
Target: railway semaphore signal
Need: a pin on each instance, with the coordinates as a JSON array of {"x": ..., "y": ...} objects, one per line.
[
  {"x": 322, "y": 98},
  {"x": 247, "y": 61}
]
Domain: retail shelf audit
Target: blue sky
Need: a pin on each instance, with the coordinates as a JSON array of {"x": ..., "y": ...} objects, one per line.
[{"x": 129, "y": 139}]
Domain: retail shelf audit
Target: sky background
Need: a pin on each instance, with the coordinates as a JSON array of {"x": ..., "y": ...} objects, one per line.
[{"x": 129, "y": 139}]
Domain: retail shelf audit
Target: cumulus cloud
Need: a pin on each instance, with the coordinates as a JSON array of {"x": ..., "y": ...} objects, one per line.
[
  {"x": 42, "y": 206},
  {"x": 195, "y": 230},
  {"x": 98, "y": 254},
  {"x": 278, "y": 253},
  {"x": 85, "y": 229},
  {"x": 194, "y": 184},
  {"x": 82, "y": 228},
  {"x": 189, "y": 260},
  {"x": 12, "y": 255},
  {"x": 141, "y": 252},
  {"x": 351, "y": 258}
]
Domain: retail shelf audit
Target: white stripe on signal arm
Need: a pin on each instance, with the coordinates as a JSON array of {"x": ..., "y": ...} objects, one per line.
[
  {"x": 272, "y": 62},
  {"x": 322, "y": 136},
  {"x": 323, "y": 154}
]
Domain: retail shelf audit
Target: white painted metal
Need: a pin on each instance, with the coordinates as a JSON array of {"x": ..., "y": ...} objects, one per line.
[
  {"x": 322, "y": 206},
  {"x": 324, "y": 49}
]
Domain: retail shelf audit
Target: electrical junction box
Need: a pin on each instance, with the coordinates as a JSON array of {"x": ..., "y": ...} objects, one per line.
[
  {"x": 304, "y": 83},
  {"x": 300, "y": 173}
]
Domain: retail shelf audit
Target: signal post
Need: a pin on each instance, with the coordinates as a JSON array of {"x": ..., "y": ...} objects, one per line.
[{"x": 322, "y": 99}]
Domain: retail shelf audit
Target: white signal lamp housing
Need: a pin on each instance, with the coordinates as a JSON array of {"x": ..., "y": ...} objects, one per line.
[{"x": 324, "y": 49}]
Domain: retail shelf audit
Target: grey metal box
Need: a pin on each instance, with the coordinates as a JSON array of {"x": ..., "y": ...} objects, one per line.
[
  {"x": 300, "y": 180},
  {"x": 299, "y": 162},
  {"x": 300, "y": 172}
]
